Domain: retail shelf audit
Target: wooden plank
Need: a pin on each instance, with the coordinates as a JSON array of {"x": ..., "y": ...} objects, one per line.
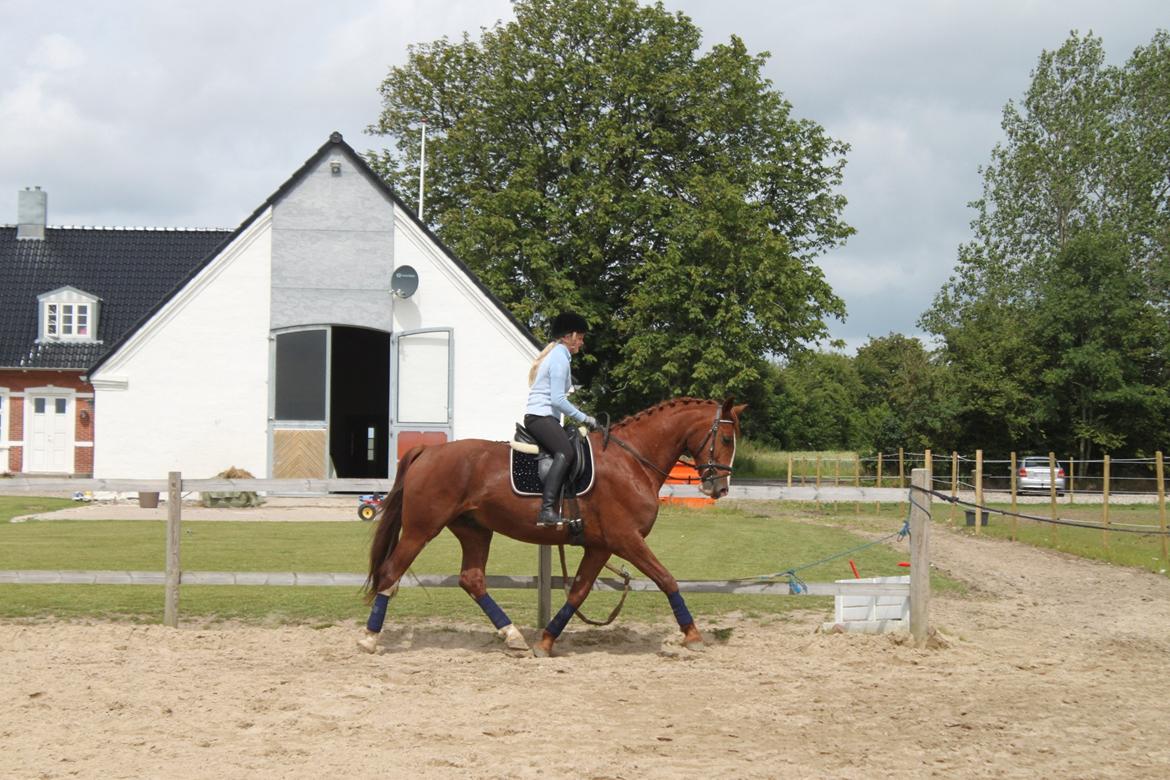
[
  {"x": 299, "y": 452},
  {"x": 494, "y": 581}
]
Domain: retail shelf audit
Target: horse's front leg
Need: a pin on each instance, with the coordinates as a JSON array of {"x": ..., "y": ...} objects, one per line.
[
  {"x": 590, "y": 566},
  {"x": 635, "y": 550}
]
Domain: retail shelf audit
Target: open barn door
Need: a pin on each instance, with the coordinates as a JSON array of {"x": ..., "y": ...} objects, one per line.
[{"x": 423, "y": 390}]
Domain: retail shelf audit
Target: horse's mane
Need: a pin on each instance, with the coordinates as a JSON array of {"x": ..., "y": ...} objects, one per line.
[{"x": 682, "y": 401}]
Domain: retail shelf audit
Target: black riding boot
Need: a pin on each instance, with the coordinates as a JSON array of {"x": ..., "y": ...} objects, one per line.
[{"x": 549, "y": 511}]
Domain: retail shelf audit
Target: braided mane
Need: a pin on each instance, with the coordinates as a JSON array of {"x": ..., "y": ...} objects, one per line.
[{"x": 683, "y": 401}]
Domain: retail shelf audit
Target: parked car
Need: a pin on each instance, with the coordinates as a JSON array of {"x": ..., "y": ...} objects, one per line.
[{"x": 1034, "y": 474}]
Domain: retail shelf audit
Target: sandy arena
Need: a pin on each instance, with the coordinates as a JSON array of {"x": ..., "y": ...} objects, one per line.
[{"x": 1055, "y": 667}]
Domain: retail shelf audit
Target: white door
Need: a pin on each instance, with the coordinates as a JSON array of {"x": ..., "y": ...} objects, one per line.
[
  {"x": 422, "y": 365},
  {"x": 50, "y": 439}
]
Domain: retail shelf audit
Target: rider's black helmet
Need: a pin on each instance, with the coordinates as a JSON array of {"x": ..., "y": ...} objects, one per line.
[{"x": 567, "y": 322}]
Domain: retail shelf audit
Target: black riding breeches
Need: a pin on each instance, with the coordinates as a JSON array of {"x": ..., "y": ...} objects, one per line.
[{"x": 550, "y": 434}]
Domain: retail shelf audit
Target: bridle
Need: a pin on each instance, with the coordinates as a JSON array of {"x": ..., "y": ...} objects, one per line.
[{"x": 708, "y": 471}]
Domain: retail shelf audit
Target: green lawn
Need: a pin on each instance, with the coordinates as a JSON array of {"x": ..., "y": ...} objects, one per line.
[
  {"x": 1126, "y": 549},
  {"x": 713, "y": 543}
]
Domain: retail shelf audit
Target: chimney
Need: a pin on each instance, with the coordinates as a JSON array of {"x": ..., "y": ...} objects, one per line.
[{"x": 31, "y": 212}]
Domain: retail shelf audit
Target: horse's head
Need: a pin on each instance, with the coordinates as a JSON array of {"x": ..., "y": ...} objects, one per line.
[{"x": 715, "y": 454}]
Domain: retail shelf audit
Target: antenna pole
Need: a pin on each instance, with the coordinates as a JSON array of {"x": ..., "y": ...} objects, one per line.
[{"x": 422, "y": 167}]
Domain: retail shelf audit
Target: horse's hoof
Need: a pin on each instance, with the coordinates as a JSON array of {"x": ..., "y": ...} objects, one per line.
[
  {"x": 697, "y": 646},
  {"x": 369, "y": 642},
  {"x": 513, "y": 639},
  {"x": 540, "y": 652}
]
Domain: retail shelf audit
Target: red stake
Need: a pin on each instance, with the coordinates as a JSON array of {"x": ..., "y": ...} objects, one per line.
[{"x": 854, "y": 567}]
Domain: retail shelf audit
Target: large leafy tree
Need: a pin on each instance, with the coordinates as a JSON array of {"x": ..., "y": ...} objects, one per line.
[
  {"x": 1055, "y": 319},
  {"x": 586, "y": 155},
  {"x": 906, "y": 395}
]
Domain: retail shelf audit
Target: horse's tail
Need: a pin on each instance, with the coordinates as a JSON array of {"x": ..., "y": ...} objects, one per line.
[{"x": 389, "y": 523}]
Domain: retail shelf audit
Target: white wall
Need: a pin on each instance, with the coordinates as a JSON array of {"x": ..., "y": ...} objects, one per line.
[
  {"x": 189, "y": 391},
  {"x": 492, "y": 356}
]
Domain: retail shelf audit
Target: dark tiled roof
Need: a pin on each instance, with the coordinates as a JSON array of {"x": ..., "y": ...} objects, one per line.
[{"x": 131, "y": 271}]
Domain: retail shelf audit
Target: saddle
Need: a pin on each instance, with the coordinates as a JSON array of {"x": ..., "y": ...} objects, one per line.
[{"x": 530, "y": 464}]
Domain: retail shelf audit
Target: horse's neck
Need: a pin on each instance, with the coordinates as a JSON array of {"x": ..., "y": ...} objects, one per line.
[{"x": 661, "y": 437}]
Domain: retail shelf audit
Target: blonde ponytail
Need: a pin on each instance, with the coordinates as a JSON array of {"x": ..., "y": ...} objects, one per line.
[{"x": 536, "y": 363}]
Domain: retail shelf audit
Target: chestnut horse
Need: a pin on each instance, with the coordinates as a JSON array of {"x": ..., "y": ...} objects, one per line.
[{"x": 465, "y": 486}]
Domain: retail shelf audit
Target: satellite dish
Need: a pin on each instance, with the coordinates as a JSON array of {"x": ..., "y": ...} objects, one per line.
[{"x": 404, "y": 281}]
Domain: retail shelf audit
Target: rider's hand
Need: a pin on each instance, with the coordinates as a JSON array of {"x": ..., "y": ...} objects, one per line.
[{"x": 591, "y": 423}]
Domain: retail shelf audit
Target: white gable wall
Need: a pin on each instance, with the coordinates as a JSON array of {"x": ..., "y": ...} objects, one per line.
[
  {"x": 189, "y": 391},
  {"x": 492, "y": 356}
]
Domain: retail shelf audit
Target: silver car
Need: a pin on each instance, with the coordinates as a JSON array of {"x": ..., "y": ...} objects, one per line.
[{"x": 1034, "y": 474}]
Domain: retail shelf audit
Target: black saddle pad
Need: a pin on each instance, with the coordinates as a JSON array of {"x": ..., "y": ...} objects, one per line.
[{"x": 526, "y": 478}]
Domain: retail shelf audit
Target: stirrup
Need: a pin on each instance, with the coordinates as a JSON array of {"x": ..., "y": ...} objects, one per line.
[{"x": 544, "y": 521}]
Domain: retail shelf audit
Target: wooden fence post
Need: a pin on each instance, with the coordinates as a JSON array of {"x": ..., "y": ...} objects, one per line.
[
  {"x": 544, "y": 586},
  {"x": 1014, "y": 478},
  {"x": 1052, "y": 487},
  {"x": 1105, "y": 506},
  {"x": 978, "y": 490},
  {"x": 954, "y": 487},
  {"x": 920, "y": 555},
  {"x": 174, "y": 535},
  {"x": 1159, "y": 470}
]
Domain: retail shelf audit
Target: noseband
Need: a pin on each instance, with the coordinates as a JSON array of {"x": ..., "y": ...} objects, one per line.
[{"x": 710, "y": 470}]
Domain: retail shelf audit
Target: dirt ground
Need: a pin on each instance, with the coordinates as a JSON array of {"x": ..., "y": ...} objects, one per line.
[{"x": 1054, "y": 667}]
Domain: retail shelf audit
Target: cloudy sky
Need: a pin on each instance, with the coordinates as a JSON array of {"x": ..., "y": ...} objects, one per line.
[{"x": 189, "y": 114}]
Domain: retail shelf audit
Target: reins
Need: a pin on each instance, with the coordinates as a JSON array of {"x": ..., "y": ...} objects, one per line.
[
  {"x": 704, "y": 471},
  {"x": 625, "y": 575}
]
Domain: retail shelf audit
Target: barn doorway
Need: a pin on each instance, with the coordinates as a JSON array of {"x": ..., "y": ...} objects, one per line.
[{"x": 359, "y": 403}]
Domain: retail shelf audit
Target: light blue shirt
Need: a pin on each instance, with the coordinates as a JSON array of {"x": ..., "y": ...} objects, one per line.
[{"x": 549, "y": 393}]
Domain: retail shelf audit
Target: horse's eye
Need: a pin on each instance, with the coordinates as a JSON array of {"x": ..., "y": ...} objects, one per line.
[{"x": 727, "y": 440}]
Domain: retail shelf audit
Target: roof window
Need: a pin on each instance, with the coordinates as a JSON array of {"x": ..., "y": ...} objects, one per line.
[{"x": 68, "y": 314}]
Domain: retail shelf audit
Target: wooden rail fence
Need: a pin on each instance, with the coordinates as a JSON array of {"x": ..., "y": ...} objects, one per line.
[{"x": 918, "y": 590}]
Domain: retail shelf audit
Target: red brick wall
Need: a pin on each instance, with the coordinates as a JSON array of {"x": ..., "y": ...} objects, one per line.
[{"x": 18, "y": 381}]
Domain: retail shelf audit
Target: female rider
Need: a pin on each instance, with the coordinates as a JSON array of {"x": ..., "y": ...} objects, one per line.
[{"x": 550, "y": 383}]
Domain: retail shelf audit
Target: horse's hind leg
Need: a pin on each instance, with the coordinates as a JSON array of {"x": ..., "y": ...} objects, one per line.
[
  {"x": 587, "y": 571},
  {"x": 405, "y": 551},
  {"x": 476, "y": 542}
]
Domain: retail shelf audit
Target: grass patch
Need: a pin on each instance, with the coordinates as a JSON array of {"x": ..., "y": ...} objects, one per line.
[
  {"x": 1143, "y": 551},
  {"x": 715, "y": 543},
  {"x": 15, "y": 506},
  {"x": 835, "y": 467}
]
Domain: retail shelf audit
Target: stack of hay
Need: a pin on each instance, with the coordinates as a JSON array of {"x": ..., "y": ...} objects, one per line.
[{"x": 232, "y": 499}]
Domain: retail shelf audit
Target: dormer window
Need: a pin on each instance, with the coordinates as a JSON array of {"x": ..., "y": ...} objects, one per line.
[{"x": 68, "y": 314}]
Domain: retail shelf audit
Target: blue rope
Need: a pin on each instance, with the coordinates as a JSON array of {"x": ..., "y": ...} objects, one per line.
[{"x": 796, "y": 585}]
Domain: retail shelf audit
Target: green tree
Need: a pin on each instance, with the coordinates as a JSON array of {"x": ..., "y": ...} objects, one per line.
[
  {"x": 906, "y": 395},
  {"x": 817, "y": 404},
  {"x": 586, "y": 155},
  {"x": 1053, "y": 323}
]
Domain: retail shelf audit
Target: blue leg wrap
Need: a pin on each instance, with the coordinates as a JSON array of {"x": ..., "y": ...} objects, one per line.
[
  {"x": 562, "y": 618},
  {"x": 681, "y": 613},
  {"x": 493, "y": 611},
  {"x": 378, "y": 613}
]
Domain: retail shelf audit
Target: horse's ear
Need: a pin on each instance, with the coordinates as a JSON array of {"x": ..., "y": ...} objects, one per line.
[
  {"x": 737, "y": 411},
  {"x": 725, "y": 412}
]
